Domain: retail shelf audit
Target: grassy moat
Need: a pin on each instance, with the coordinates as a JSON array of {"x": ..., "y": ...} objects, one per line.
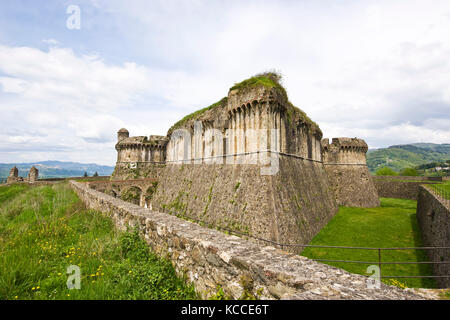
[
  {"x": 45, "y": 229},
  {"x": 393, "y": 224}
]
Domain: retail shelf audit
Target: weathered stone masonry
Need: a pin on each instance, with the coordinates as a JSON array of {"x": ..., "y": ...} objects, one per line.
[
  {"x": 433, "y": 215},
  {"x": 210, "y": 258}
]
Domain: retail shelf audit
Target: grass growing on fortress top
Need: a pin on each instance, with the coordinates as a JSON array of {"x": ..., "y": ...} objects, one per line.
[
  {"x": 198, "y": 113},
  {"x": 394, "y": 224},
  {"x": 45, "y": 229},
  {"x": 268, "y": 80}
]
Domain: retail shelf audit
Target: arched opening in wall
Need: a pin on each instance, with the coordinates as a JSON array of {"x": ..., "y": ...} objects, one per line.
[
  {"x": 149, "y": 195},
  {"x": 132, "y": 194}
]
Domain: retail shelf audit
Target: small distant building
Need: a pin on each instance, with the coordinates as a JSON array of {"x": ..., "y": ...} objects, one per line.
[
  {"x": 14, "y": 176},
  {"x": 33, "y": 175}
]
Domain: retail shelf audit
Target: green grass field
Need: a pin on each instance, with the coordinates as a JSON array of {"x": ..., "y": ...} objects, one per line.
[
  {"x": 442, "y": 189},
  {"x": 45, "y": 229},
  {"x": 393, "y": 224}
]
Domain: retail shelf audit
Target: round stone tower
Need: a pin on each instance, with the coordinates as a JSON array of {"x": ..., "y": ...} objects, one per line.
[
  {"x": 345, "y": 163},
  {"x": 122, "y": 134}
]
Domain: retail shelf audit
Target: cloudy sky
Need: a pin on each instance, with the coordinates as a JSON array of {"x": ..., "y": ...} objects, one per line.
[{"x": 378, "y": 70}]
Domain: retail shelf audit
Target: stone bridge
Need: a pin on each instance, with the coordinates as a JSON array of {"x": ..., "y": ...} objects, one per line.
[{"x": 137, "y": 191}]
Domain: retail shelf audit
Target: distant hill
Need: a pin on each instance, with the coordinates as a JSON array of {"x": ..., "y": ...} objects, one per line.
[
  {"x": 56, "y": 169},
  {"x": 409, "y": 155}
]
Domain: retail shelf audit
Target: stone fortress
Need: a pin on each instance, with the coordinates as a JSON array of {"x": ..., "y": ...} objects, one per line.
[{"x": 251, "y": 162}]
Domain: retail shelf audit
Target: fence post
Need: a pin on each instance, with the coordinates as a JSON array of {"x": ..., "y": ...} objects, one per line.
[{"x": 379, "y": 261}]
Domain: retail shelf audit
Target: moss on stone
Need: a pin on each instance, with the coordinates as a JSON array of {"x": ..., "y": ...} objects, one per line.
[
  {"x": 268, "y": 80},
  {"x": 197, "y": 113}
]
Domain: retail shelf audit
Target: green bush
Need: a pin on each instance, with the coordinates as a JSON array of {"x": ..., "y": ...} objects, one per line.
[
  {"x": 386, "y": 171},
  {"x": 409, "y": 172}
]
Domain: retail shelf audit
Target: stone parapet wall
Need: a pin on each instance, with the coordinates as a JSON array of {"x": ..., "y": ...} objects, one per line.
[
  {"x": 410, "y": 178},
  {"x": 396, "y": 188},
  {"x": 210, "y": 258},
  {"x": 137, "y": 170},
  {"x": 433, "y": 215}
]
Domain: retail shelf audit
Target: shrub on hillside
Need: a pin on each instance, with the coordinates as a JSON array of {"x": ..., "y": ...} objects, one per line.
[
  {"x": 386, "y": 171},
  {"x": 409, "y": 172}
]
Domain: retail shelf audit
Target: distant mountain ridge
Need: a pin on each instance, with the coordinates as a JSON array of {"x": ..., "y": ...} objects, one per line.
[
  {"x": 57, "y": 169},
  {"x": 398, "y": 157}
]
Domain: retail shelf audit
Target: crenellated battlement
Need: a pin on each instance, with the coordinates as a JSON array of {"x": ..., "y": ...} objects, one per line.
[
  {"x": 344, "y": 144},
  {"x": 141, "y": 148},
  {"x": 344, "y": 150}
]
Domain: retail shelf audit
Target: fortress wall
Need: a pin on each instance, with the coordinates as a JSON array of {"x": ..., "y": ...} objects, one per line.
[
  {"x": 137, "y": 170},
  {"x": 433, "y": 215},
  {"x": 411, "y": 178},
  {"x": 352, "y": 186},
  {"x": 289, "y": 207},
  {"x": 247, "y": 128},
  {"x": 396, "y": 188},
  {"x": 210, "y": 258},
  {"x": 140, "y": 153}
]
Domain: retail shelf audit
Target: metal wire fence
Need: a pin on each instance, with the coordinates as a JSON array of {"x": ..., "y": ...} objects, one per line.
[
  {"x": 377, "y": 262},
  {"x": 442, "y": 190}
]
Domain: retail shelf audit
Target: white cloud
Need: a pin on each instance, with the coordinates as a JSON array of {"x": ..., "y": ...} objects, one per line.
[
  {"x": 378, "y": 70},
  {"x": 13, "y": 85},
  {"x": 51, "y": 42}
]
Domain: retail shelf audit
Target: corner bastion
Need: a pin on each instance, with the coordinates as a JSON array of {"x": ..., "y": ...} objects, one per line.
[
  {"x": 252, "y": 162},
  {"x": 349, "y": 177}
]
